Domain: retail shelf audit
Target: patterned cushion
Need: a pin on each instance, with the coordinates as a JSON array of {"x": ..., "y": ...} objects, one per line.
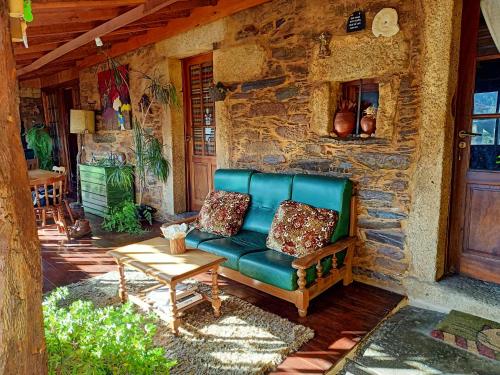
[
  {"x": 299, "y": 229},
  {"x": 223, "y": 212}
]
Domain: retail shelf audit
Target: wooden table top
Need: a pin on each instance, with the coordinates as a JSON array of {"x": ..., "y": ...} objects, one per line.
[
  {"x": 153, "y": 258},
  {"x": 41, "y": 175}
]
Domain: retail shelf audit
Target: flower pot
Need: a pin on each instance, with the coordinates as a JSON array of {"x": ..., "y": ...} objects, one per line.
[
  {"x": 145, "y": 212},
  {"x": 344, "y": 123},
  {"x": 368, "y": 124}
]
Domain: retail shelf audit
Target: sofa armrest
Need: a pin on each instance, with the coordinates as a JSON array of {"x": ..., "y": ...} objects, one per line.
[
  {"x": 186, "y": 221},
  {"x": 312, "y": 259}
]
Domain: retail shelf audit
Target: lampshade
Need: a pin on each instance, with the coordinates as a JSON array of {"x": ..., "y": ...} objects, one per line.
[
  {"x": 18, "y": 30},
  {"x": 81, "y": 121},
  {"x": 16, "y": 8}
]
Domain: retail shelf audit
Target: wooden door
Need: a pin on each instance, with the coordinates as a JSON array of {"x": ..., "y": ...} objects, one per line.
[
  {"x": 475, "y": 220},
  {"x": 200, "y": 129}
]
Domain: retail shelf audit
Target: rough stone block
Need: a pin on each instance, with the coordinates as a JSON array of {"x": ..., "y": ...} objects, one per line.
[
  {"x": 240, "y": 63},
  {"x": 262, "y": 83},
  {"x": 393, "y": 238}
]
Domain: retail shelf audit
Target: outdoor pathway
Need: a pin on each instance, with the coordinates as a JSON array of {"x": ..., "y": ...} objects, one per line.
[
  {"x": 340, "y": 317},
  {"x": 403, "y": 345}
]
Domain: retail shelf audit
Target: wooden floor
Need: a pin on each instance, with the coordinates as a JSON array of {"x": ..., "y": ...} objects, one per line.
[{"x": 340, "y": 317}]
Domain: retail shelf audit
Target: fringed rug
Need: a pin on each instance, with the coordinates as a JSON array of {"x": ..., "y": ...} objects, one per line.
[
  {"x": 471, "y": 333},
  {"x": 244, "y": 340}
]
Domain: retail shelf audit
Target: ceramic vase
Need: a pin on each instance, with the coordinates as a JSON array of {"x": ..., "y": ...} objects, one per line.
[
  {"x": 344, "y": 123},
  {"x": 368, "y": 124}
]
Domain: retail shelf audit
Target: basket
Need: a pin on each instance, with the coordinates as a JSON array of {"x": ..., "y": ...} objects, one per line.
[{"x": 177, "y": 246}]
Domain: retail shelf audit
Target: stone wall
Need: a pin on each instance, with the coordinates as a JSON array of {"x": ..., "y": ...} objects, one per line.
[
  {"x": 30, "y": 107},
  {"x": 279, "y": 114}
]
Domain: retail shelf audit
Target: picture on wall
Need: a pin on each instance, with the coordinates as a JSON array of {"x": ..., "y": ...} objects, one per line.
[{"x": 115, "y": 98}]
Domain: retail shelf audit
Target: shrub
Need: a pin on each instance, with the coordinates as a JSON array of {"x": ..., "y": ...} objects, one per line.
[
  {"x": 123, "y": 218},
  {"x": 83, "y": 339}
]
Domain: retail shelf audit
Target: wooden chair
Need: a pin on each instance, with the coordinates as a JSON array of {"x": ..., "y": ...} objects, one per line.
[
  {"x": 48, "y": 198},
  {"x": 32, "y": 164},
  {"x": 62, "y": 170}
]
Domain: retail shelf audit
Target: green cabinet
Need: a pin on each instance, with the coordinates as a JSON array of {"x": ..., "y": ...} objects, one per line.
[{"x": 97, "y": 194}]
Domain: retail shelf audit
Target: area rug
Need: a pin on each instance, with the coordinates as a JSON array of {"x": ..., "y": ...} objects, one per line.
[
  {"x": 474, "y": 334},
  {"x": 244, "y": 340}
]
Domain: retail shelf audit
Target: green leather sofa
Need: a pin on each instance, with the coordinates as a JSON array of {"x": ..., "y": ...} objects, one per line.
[{"x": 250, "y": 261}]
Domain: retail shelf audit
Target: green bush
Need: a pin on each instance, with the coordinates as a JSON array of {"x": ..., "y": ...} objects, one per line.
[
  {"x": 82, "y": 339},
  {"x": 123, "y": 218}
]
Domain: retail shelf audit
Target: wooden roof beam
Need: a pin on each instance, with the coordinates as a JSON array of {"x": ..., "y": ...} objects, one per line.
[
  {"x": 50, "y": 6},
  {"x": 107, "y": 27}
]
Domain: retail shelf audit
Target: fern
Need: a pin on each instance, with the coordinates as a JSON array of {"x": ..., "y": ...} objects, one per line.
[{"x": 41, "y": 143}]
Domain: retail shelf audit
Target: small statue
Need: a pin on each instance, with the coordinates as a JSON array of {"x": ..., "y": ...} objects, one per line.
[{"x": 324, "y": 46}]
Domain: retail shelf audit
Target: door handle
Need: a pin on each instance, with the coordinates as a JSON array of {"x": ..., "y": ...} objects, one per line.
[{"x": 462, "y": 134}]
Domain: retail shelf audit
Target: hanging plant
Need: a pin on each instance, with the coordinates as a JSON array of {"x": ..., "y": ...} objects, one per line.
[
  {"x": 39, "y": 140},
  {"x": 27, "y": 14}
]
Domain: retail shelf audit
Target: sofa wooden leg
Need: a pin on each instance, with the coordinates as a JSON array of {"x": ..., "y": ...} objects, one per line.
[
  {"x": 302, "y": 312},
  {"x": 348, "y": 266}
]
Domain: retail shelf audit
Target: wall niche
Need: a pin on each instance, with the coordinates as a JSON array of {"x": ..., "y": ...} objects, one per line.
[{"x": 356, "y": 113}]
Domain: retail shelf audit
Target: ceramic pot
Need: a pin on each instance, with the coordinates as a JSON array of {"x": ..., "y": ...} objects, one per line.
[
  {"x": 368, "y": 124},
  {"x": 344, "y": 123}
]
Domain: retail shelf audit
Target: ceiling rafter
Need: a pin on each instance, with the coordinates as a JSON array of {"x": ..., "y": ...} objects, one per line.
[{"x": 50, "y": 6}]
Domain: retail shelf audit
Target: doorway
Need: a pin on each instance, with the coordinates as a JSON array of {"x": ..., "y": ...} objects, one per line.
[
  {"x": 200, "y": 128},
  {"x": 57, "y": 102},
  {"x": 475, "y": 217}
]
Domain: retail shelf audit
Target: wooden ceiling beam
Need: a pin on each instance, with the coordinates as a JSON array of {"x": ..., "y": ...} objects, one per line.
[
  {"x": 61, "y": 29},
  {"x": 75, "y": 15},
  {"x": 199, "y": 16},
  {"x": 103, "y": 29},
  {"x": 50, "y": 6},
  {"x": 21, "y": 50}
]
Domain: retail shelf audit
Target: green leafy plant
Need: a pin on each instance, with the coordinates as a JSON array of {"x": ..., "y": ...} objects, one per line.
[
  {"x": 39, "y": 140},
  {"x": 149, "y": 158},
  {"x": 122, "y": 177},
  {"x": 83, "y": 339},
  {"x": 148, "y": 150},
  {"x": 123, "y": 218}
]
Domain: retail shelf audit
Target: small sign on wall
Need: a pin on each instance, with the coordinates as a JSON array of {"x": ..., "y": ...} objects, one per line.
[{"x": 356, "y": 22}]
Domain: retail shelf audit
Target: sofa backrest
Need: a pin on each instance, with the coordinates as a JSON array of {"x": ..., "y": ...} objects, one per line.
[
  {"x": 267, "y": 191},
  {"x": 326, "y": 192},
  {"x": 235, "y": 180}
]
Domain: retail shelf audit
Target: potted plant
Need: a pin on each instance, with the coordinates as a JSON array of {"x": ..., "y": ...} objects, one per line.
[
  {"x": 40, "y": 141},
  {"x": 369, "y": 121},
  {"x": 345, "y": 119},
  {"x": 148, "y": 151}
]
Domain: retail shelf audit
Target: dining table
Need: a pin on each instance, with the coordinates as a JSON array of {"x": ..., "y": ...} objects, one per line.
[{"x": 41, "y": 175}]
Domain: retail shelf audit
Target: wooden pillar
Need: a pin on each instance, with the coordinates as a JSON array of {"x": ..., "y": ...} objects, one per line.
[{"x": 22, "y": 344}]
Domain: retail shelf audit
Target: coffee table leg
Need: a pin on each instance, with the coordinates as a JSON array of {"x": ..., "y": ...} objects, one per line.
[
  {"x": 216, "y": 302},
  {"x": 122, "y": 289},
  {"x": 174, "y": 325}
]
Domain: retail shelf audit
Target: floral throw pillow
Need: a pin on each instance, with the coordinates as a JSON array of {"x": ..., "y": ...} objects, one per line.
[
  {"x": 223, "y": 213},
  {"x": 299, "y": 229}
]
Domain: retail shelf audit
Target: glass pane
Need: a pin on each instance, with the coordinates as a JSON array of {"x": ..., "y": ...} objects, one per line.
[
  {"x": 487, "y": 129},
  {"x": 485, "y": 102}
]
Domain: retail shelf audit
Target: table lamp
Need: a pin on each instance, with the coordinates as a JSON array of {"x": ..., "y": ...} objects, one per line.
[{"x": 80, "y": 122}]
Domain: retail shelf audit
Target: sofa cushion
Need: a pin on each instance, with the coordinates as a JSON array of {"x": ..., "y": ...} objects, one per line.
[
  {"x": 299, "y": 229},
  {"x": 326, "y": 192},
  {"x": 222, "y": 212},
  {"x": 267, "y": 191},
  {"x": 235, "y": 180},
  {"x": 195, "y": 237},
  {"x": 232, "y": 248},
  {"x": 275, "y": 268}
]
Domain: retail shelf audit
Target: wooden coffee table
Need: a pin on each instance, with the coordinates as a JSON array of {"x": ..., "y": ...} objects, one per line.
[{"x": 153, "y": 258}]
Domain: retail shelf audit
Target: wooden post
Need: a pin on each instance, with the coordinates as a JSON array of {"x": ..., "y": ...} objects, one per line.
[{"x": 22, "y": 343}]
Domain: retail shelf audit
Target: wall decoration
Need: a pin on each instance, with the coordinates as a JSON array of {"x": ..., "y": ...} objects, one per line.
[
  {"x": 115, "y": 98},
  {"x": 369, "y": 121},
  {"x": 356, "y": 22},
  {"x": 385, "y": 23},
  {"x": 345, "y": 119}
]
